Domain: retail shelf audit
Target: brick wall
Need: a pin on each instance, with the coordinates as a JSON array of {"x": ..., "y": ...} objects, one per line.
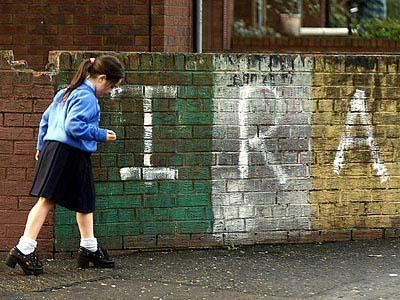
[
  {"x": 24, "y": 96},
  {"x": 355, "y": 141},
  {"x": 171, "y": 26},
  {"x": 231, "y": 148},
  {"x": 31, "y": 28}
]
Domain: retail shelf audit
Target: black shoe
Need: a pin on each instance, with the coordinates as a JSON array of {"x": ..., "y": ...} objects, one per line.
[
  {"x": 30, "y": 263},
  {"x": 99, "y": 259}
]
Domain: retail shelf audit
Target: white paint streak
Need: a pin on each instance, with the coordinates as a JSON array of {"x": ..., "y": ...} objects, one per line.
[
  {"x": 150, "y": 173},
  {"x": 257, "y": 142},
  {"x": 243, "y": 134},
  {"x": 358, "y": 109},
  {"x": 148, "y": 131},
  {"x": 147, "y": 172},
  {"x": 115, "y": 92},
  {"x": 130, "y": 173}
]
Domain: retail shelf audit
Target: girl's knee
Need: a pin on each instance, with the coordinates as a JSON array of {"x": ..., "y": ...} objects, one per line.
[{"x": 46, "y": 202}]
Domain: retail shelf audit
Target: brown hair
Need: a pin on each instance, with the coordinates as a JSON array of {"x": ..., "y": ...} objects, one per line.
[{"x": 93, "y": 67}]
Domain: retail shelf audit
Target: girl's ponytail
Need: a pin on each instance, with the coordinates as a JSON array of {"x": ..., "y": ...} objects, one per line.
[
  {"x": 93, "y": 67},
  {"x": 79, "y": 77}
]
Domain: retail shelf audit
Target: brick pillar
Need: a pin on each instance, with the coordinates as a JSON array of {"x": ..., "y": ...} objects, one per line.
[
  {"x": 217, "y": 24},
  {"x": 171, "y": 26}
]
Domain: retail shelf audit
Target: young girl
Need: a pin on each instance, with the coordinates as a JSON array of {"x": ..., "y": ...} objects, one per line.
[{"x": 68, "y": 134}]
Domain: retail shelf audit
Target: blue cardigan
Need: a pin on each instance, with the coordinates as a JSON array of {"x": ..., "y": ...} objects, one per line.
[{"x": 74, "y": 122}]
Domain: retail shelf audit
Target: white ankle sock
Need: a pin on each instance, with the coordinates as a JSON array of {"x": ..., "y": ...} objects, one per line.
[
  {"x": 90, "y": 244},
  {"x": 26, "y": 245}
]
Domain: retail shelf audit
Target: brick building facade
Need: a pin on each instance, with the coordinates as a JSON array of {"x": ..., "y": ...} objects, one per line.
[{"x": 33, "y": 28}]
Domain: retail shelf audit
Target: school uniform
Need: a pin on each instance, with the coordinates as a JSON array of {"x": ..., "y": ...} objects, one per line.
[{"x": 68, "y": 133}]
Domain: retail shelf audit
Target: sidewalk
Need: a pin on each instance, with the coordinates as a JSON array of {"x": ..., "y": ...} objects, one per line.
[{"x": 351, "y": 270}]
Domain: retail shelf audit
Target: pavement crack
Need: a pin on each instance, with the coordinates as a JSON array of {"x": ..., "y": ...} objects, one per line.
[{"x": 74, "y": 283}]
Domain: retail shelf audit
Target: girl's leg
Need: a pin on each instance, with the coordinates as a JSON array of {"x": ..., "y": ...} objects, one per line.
[
  {"x": 36, "y": 217},
  {"x": 88, "y": 250},
  {"x": 85, "y": 224},
  {"x": 24, "y": 253},
  {"x": 34, "y": 223}
]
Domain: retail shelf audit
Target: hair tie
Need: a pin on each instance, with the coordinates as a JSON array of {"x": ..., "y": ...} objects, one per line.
[{"x": 92, "y": 59}]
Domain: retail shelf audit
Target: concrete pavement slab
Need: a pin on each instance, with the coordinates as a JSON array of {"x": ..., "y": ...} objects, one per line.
[{"x": 348, "y": 270}]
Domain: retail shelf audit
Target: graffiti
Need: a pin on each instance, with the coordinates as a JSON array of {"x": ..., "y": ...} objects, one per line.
[
  {"x": 257, "y": 142},
  {"x": 147, "y": 172},
  {"x": 267, "y": 187},
  {"x": 358, "y": 110}
]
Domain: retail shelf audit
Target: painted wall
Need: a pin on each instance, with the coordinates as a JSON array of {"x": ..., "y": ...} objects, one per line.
[{"x": 243, "y": 149}]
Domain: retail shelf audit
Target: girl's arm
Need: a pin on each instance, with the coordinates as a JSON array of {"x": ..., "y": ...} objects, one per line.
[
  {"x": 43, "y": 128},
  {"x": 80, "y": 111}
]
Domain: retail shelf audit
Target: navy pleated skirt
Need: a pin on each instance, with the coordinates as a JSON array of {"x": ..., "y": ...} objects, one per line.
[{"x": 64, "y": 175}]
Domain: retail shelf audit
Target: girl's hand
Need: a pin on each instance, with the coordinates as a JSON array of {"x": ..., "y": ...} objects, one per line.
[
  {"x": 37, "y": 154},
  {"x": 111, "y": 136}
]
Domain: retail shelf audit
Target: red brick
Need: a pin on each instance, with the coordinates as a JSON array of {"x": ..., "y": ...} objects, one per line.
[
  {"x": 23, "y": 77},
  {"x": 367, "y": 234},
  {"x": 122, "y": 19},
  {"x": 6, "y": 18},
  {"x": 141, "y": 41},
  {"x": 13, "y": 217},
  {"x": 88, "y": 40},
  {"x": 7, "y": 243},
  {"x": 43, "y": 91},
  {"x": 13, "y": 160},
  {"x": 15, "y": 188},
  {"x": 15, "y": 133},
  {"x": 6, "y": 147},
  {"x": 46, "y": 231},
  {"x": 13, "y": 119},
  {"x": 103, "y": 29},
  {"x": 30, "y": 172},
  {"x": 13, "y": 29},
  {"x": 18, "y": 105},
  {"x": 26, "y": 203},
  {"x": 174, "y": 241},
  {"x": 59, "y": 40},
  {"x": 45, "y": 247},
  {"x": 134, "y": 10},
  {"x": 3, "y": 174},
  {"x": 35, "y": 60},
  {"x": 119, "y": 40},
  {"x": 14, "y": 231},
  {"x": 32, "y": 119},
  {"x": 22, "y": 91},
  {"x": 8, "y": 202},
  {"x": 16, "y": 174},
  {"x": 25, "y": 147},
  {"x": 6, "y": 39},
  {"x": 203, "y": 240},
  {"x": 86, "y": 19},
  {"x": 31, "y": 39},
  {"x": 73, "y": 29},
  {"x": 41, "y": 105}
]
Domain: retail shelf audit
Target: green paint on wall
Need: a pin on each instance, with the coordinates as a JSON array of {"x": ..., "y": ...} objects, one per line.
[{"x": 182, "y": 120}]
